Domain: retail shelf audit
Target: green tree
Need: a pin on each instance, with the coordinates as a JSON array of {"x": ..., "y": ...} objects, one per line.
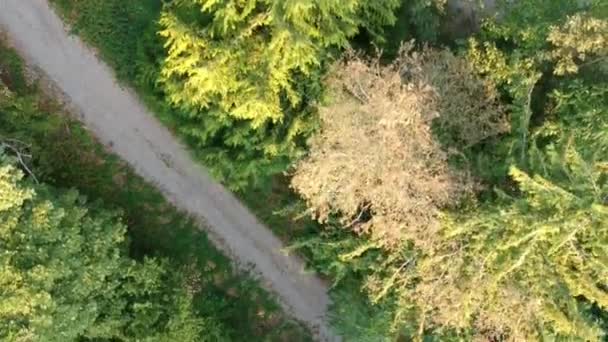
[
  {"x": 531, "y": 43},
  {"x": 529, "y": 265},
  {"x": 64, "y": 275},
  {"x": 532, "y": 265},
  {"x": 245, "y": 72}
]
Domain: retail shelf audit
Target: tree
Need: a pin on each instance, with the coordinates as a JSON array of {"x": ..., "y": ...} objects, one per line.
[
  {"x": 64, "y": 275},
  {"x": 245, "y": 72},
  {"x": 526, "y": 262},
  {"x": 544, "y": 38},
  {"x": 376, "y": 162},
  {"x": 529, "y": 265},
  {"x": 532, "y": 264},
  {"x": 581, "y": 37},
  {"x": 242, "y": 59}
]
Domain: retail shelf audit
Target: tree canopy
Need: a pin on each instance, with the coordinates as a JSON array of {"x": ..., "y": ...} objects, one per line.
[
  {"x": 246, "y": 73},
  {"x": 375, "y": 161},
  {"x": 239, "y": 57},
  {"x": 523, "y": 260},
  {"x": 64, "y": 274}
]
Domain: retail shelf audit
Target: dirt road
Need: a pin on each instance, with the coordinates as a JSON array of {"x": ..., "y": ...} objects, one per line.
[{"x": 121, "y": 122}]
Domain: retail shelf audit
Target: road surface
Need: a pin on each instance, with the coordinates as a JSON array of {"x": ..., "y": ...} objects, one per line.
[{"x": 121, "y": 122}]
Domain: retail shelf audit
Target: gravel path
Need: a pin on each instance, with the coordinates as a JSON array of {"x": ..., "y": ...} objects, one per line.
[{"x": 123, "y": 124}]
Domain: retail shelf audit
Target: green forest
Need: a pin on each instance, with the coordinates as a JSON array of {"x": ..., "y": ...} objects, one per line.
[{"x": 449, "y": 181}]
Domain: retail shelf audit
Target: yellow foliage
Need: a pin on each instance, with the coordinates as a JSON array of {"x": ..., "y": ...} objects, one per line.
[
  {"x": 376, "y": 154},
  {"x": 244, "y": 60},
  {"x": 577, "y": 41},
  {"x": 11, "y": 195}
]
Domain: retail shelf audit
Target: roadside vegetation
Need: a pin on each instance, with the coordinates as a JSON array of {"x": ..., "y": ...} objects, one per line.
[
  {"x": 449, "y": 189},
  {"x": 130, "y": 266}
]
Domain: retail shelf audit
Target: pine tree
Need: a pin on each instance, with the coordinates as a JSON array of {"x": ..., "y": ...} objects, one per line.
[{"x": 245, "y": 72}]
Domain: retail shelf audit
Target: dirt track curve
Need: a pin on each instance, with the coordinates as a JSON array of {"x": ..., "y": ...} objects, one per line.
[{"x": 122, "y": 123}]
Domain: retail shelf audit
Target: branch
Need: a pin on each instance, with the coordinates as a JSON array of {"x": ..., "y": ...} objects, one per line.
[
  {"x": 20, "y": 155},
  {"x": 391, "y": 280},
  {"x": 526, "y": 118},
  {"x": 356, "y": 220},
  {"x": 357, "y": 96}
]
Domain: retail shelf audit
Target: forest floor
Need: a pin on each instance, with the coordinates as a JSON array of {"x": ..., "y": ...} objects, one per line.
[{"x": 123, "y": 124}]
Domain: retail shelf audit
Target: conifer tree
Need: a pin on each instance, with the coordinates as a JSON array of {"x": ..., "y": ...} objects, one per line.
[
  {"x": 531, "y": 266},
  {"x": 245, "y": 72}
]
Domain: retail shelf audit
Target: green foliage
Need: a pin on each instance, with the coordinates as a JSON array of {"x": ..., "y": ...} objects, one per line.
[
  {"x": 11, "y": 71},
  {"x": 116, "y": 28},
  {"x": 65, "y": 277},
  {"x": 523, "y": 26},
  {"x": 415, "y": 19},
  {"x": 582, "y": 40},
  {"x": 66, "y": 156},
  {"x": 356, "y": 319},
  {"x": 245, "y": 74},
  {"x": 541, "y": 252},
  {"x": 239, "y": 58},
  {"x": 519, "y": 50},
  {"x": 530, "y": 268}
]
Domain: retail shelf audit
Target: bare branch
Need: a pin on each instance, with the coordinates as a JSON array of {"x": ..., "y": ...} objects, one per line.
[{"x": 4, "y": 143}]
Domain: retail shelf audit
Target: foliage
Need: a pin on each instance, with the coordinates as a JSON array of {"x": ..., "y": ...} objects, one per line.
[
  {"x": 532, "y": 266},
  {"x": 346, "y": 259},
  {"x": 519, "y": 53},
  {"x": 65, "y": 276},
  {"x": 529, "y": 262},
  {"x": 242, "y": 60},
  {"x": 65, "y": 155},
  {"x": 579, "y": 39},
  {"x": 425, "y": 18},
  {"x": 415, "y": 19},
  {"x": 375, "y": 162},
  {"x": 117, "y": 28},
  {"x": 245, "y": 73},
  {"x": 468, "y": 105}
]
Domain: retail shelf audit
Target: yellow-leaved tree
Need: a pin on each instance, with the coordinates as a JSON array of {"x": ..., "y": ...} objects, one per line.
[{"x": 244, "y": 73}]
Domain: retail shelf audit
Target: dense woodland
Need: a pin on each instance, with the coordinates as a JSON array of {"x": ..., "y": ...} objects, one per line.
[{"x": 452, "y": 187}]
